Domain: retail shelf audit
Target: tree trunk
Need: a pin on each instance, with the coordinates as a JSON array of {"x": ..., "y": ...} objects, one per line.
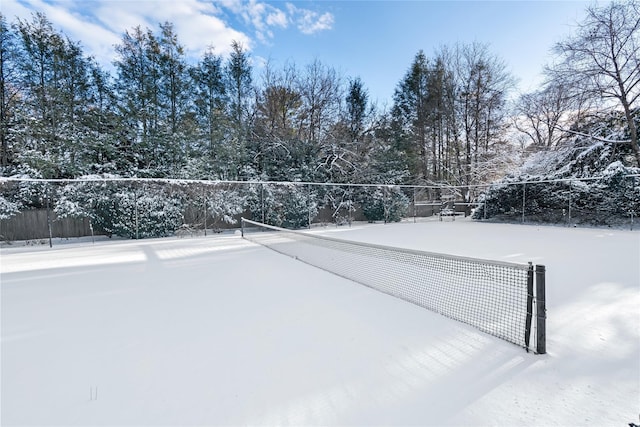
[{"x": 633, "y": 131}]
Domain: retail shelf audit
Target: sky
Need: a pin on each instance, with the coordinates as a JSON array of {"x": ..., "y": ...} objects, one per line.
[{"x": 373, "y": 40}]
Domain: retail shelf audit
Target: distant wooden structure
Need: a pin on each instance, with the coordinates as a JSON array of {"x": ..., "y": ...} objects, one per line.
[{"x": 32, "y": 224}]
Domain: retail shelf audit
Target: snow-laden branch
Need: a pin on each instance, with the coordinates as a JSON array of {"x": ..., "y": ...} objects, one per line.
[
  {"x": 295, "y": 183},
  {"x": 597, "y": 138}
]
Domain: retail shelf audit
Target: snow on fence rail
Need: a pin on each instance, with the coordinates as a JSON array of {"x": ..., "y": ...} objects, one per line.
[{"x": 144, "y": 207}]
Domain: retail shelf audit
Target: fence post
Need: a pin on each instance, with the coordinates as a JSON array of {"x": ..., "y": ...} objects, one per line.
[
  {"x": 350, "y": 207},
  {"x": 385, "y": 208},
  {"x": 308, "y": 206},
  {"x": 135, "y": 202},
  {"x": 204, "y": 202},
  {"x": 524, "y": 198},
  {"x": 262, "y": 202},
  {"x": 570, "y": 194},
  {"x": 541, "y": 310},
  {"x": 49, "y": 216},
  {"x": 414, "y": 205},
  {"x": 632, "y": 213}
]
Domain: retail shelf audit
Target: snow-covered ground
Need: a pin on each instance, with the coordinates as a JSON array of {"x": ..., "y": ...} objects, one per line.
[{"x": 219, "y": 331}]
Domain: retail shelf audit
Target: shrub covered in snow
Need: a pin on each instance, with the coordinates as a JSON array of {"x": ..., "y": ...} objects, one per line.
[
  {"x": 585, "y": 181},
  {"x": 387, "y": 204},
  {"x": 23, "y": 194},
  {"x": 7, "y": 208},
  {"x": 289, "y": 206},
  {"x": 118, "y": 208},
  {"x": 224, "y": 205}
]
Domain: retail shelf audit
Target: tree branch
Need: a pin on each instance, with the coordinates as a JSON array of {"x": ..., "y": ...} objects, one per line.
[{"x": 597, "y": 138}]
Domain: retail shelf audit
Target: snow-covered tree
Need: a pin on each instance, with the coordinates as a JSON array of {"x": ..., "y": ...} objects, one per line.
[
  {"x": 9, "y": 62},
  {"x": 588, "y": 181},
  {"x": 290, "y": 206},
  {"x": 122, "y": 209},
  {"x": 603, "y": 59}
]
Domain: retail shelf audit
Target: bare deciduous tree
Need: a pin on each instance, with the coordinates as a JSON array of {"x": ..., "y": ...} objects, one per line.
[
  {"x": 540, "y": 114},
  {"x": 603, "y": 58},
  {"x": 484, "y": 82}
]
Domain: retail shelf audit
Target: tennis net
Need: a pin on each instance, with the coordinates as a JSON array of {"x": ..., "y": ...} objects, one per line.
[{"x": 495, "y": 297}]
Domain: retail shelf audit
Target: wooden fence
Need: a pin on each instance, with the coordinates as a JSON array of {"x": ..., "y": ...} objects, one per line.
[{"x": 32, "y": 224}]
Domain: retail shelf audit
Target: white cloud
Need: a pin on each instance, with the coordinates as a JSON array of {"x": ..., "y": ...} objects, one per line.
[
  {"x": 95, "y": 39},
  {"x": 277, "y": 18},
  {"x": 99, "y": 25},
  {"x": 195, "y": 22},
  {"x": 234, "y": 6},
  {"x": 199, "y": 32},
  {"x": 312, "y": 23},
  {"x": 263, "y": 17},
  {"x": 11, "y": 9},
  {"x": 199, "y": 24},
  {"x": 309, "y": 21}
]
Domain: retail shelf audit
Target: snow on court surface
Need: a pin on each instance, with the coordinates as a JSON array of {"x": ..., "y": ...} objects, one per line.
[{"x": 220, "y": 331}]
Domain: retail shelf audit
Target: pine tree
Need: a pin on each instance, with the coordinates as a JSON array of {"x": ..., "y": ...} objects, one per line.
[
  {"x": 133, "y": 86},
  {"x": 174, "y": 90},
  {"x": 210, "y": 101},
  {"x": 40, "y": 79},
  {"x": 9, "y": 92},
  {"x": 410, "y": 115},
  {"x": 239, "y": 88}
]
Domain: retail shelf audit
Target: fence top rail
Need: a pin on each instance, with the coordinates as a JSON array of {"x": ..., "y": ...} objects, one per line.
[
  {"x": 511, "y": 265},
  {"x": 295, "y": 183}
]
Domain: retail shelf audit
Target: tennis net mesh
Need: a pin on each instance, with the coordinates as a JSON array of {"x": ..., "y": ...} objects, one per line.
[{"x": 495, "y": 297}]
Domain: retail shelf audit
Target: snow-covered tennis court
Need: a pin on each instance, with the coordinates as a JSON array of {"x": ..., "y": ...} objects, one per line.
[{"x": 219, "y": 331}]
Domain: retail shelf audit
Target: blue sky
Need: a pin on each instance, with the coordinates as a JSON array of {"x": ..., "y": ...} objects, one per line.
[{"x": 373, "y": 40}]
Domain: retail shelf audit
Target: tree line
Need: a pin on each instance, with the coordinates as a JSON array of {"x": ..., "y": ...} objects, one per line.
[{"x": 157, "y": 115}]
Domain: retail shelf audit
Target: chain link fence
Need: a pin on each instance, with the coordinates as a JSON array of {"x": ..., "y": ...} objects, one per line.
[
  {"x": 141, "y": 208},
  {"x": 612, "y": 201}
]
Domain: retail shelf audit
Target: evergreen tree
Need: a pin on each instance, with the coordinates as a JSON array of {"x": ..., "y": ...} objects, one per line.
[
  {"x": 9, "y": 93},
  {"x": 103, "y": 150},
  {"x": 210, "y": 101},
  {"x": 55, "y": 80},
  {"x": 40, "y": 115},
  {"x": 357, "y": 100},
  {"x": 239, "y": 88},
  {"x": 133, "y": 86},
  {"x": 410, "y": 115},
  {"x": 152, "y": 87},
  {"x": 174, "y": 87}
]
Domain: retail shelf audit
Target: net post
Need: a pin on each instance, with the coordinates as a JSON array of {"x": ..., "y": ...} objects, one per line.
[
  {"x": 527, "y": 327},
  {"x": 541, "y": 310}
]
